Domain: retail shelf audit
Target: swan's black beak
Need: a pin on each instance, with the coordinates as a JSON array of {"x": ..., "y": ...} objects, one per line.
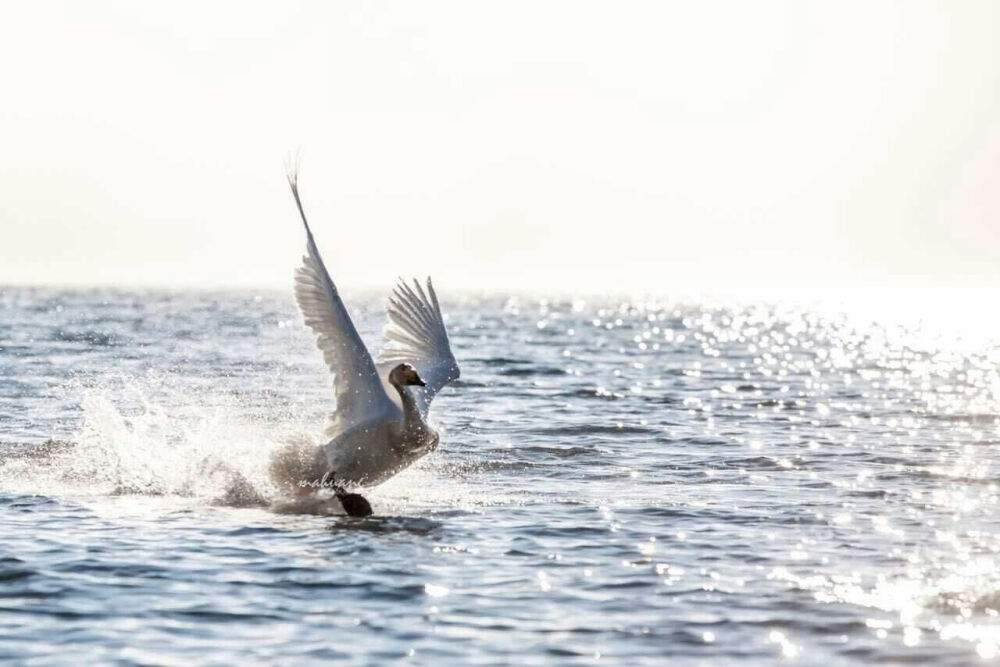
[{"x": 419, "y": 383}]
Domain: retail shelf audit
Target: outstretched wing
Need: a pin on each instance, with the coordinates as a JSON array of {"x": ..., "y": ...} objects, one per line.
[
  {"x": 358, "y": 390},
  {"x": 415, "y": 334}
]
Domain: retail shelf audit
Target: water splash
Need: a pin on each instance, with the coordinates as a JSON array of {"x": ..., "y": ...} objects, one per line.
[
  {"x": 156, "y": 448},
  {"x": 150, "y": 437}
]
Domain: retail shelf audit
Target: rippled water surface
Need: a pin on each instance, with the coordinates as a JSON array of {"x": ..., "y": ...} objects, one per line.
[{"x": 620, "y": 482}]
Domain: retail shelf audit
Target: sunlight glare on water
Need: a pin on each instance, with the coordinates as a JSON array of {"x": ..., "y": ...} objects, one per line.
[{"x": 704, "y": 480}]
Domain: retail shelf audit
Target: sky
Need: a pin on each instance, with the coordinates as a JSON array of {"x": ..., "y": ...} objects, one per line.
[{"x": 585, "y": 146}]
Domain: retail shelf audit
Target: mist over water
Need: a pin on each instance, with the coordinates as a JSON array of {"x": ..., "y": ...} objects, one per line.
[{"x": 618, "y": 480}]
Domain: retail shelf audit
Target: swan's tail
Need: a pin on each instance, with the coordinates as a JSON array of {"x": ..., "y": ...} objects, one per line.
[{"x": 297, "y": 467}]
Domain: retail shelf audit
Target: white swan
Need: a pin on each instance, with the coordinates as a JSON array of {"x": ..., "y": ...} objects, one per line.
[{"x": 380, "y": 424}]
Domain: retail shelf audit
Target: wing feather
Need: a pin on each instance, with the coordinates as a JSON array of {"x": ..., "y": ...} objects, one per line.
[
  {"x": 359, "y": 392},
  {"x": 415, "y": 334}
]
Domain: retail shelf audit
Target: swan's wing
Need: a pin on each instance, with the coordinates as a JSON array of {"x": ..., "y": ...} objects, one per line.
[
  {"x": 358, "y": 390},
  {"x": 415, "y": 334}
]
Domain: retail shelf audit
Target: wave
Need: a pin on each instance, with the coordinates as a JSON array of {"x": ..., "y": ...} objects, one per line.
[{"x": 94, "y": 338}]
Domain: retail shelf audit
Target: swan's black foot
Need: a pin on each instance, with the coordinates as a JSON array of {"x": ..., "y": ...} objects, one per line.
[{"x": 353, "y": 503}]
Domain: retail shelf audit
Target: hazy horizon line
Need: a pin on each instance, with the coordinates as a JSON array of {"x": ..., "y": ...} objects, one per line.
[{"x": 686, "y": 284}]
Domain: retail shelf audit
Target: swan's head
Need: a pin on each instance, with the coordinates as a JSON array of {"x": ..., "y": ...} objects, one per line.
[{"x": 405, "y": 374}]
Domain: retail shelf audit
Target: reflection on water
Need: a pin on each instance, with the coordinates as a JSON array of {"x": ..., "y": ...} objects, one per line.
[{"x": 707, "y": 481}]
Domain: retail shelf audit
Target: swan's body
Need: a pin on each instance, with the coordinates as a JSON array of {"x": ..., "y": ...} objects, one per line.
[
  {"x": 380, "y": 424},
  {"x": 370, "y": 453}
]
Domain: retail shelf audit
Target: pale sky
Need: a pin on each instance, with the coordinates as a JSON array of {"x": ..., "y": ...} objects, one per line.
[{"x": 547, "y": 145}]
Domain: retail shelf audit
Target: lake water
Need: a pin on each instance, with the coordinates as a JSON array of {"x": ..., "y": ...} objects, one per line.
[{"x": 618, "y": 482}]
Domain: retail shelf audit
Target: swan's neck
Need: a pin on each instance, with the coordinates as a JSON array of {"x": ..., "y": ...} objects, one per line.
[{"x": 413, "y": 421}]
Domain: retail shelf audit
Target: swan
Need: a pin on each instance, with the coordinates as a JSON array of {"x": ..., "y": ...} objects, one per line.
[{"x": 380, "y": 423}]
